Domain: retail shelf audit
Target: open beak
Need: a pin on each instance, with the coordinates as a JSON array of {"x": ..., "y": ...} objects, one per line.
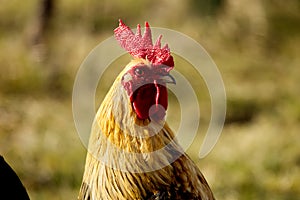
[{"x": 167, "y": 79}]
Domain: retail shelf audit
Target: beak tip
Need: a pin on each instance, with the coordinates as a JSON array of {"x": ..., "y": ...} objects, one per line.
[{"x": 168, "y": 79}]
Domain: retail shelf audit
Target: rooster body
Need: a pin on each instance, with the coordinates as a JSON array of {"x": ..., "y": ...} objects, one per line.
[{"x": 133, "y": 154}]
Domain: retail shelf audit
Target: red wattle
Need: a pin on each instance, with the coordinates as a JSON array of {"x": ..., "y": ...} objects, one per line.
[{"x": 147, "y": 96}]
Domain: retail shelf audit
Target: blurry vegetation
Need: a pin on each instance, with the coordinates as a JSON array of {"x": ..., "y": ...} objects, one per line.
[
  {"x": 207, "y": 8},
  {"x": 255, "y": 44}
]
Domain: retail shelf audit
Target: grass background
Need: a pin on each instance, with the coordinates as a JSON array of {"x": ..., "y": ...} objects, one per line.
[{"x": 255, "y": 44}]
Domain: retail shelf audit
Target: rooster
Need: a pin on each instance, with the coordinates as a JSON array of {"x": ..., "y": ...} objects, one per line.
[{"x": 132, "y": 152}]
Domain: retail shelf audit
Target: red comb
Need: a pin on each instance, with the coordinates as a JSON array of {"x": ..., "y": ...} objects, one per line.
[{"x": 142, "y": 46}]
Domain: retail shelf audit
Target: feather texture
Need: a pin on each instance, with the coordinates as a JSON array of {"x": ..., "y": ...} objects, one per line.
[{"x": 120, "y": 163}]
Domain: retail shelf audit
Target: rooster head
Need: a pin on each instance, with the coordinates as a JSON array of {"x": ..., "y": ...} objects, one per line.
[{"x": 146, "y": 76}]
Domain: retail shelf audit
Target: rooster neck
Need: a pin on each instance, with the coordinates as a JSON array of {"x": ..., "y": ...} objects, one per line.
[
  {"x": 120, "y": 164},
  {"x": 120, "y": 143},
  {"x": 120, "y": 125}
]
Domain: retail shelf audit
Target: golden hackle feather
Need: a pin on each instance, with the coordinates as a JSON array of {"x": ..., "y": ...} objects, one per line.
[{"x": 115, "y": 130}]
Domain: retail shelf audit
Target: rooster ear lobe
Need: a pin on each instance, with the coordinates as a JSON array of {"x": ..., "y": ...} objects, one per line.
[{"x": 127, "y": 77}]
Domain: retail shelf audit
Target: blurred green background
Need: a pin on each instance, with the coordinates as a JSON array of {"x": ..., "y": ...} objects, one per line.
[{"x": 255, "y": 45}]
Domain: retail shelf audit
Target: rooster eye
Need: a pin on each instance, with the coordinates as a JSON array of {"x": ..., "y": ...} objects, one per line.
[{"x": 139, "y": 72}]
